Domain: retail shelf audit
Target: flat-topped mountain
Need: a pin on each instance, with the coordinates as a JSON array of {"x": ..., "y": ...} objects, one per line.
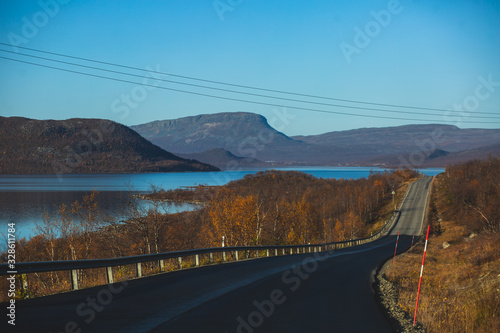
[
  {"x": 237, "y": 132},
  {"x": 29, "y": 146},
  {"x": 243, "y": 134},
  {"x": 249, "y": 135}
]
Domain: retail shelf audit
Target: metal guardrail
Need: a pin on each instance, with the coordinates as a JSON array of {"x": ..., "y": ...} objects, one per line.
[{"x": 23, "y": 268}]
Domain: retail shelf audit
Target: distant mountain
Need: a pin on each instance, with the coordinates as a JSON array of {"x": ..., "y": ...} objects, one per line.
[
  {"x": 224, "y": 159},
  {"x": 243, "y": 134},
  {"x": 29, "y": 146},
  {"x": 436, "y": 158},
  {"x": 249, "y": 135},
  {"x": 406, "y": 138},
  {"x": 233, "y": 131},
  {"x": 481, "y": 153}
]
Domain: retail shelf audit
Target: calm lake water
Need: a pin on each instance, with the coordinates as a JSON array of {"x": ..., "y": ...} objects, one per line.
[{"x": 23, "y": 198}]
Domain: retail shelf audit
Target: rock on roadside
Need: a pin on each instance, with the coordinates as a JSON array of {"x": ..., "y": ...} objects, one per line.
[{"x": 387, "y": 297}]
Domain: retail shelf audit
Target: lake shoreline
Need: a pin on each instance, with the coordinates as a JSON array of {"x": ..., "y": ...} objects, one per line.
[{"x": 25, "y": 198}]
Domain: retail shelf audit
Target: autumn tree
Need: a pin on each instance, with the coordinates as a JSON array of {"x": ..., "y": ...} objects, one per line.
[
  {"x": 233, "y": 219},
  {"x": 474, "y": 193}
]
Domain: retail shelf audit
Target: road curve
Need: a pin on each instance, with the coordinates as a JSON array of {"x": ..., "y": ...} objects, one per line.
[{"x": 325, "y": 292}]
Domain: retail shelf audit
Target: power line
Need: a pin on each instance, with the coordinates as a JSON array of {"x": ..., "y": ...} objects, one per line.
[
  {"x": 238, "y": 92},
  {"x": 249, "y": 87},
  {"x": 229, "y": 98}
]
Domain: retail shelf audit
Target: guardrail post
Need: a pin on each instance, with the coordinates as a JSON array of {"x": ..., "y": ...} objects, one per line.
[
  {"x": 267, "y": 252},
  {"x": 109, "y": 275},
  {"x": 139, "y": 269},
  {"x": 180, "y": 262},
  {"x": 74, "y": 279},
  {"x": 223, "y": 256},
  {"x": 211, "y": 258},
  {"x": 236, "y": 255},
  {"x": 283, "y": 251},
  {"x": 257, "y": 254},
  {"x": 275, "y": 252},
  {"x": 197, "y": 260},
  {"x": 162, "y": 265},
  {"x": 24, "y": 285}
]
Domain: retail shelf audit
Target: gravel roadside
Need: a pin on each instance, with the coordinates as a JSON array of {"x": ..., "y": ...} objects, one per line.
[{"x": 387, "y": 297}]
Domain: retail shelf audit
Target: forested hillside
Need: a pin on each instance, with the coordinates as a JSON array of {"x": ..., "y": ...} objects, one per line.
[
  {"x": 29, "y": 146},
  {"x": 272, "y": 207}
]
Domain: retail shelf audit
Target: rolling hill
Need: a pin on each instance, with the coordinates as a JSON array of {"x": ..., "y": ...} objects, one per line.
[{"x": 29, "y": 146}]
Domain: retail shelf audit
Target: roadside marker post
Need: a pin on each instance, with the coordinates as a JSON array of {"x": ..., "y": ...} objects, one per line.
[
  {"x": 411, "y": 246},
  {"x": 420, "y": 279},
  {"x": 395, "y": 249}
]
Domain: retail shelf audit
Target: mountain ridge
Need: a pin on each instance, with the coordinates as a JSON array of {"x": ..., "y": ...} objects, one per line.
[
  {"x": 249, "y": 135},
  {"x": 77, "y": 145},
  {"x": 195, "y": 134}
]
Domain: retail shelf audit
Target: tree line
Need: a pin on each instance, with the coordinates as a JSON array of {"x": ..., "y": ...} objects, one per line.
[
  {"x": 266, "y": 208},
  {"x": 473, "y": 194}
]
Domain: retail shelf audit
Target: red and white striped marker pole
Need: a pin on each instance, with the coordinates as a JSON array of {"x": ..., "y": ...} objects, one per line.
[
  {"x": 412, "y": 241},
  {"x": 396, "y": 249},
  {"x": 421, "y": 271}
]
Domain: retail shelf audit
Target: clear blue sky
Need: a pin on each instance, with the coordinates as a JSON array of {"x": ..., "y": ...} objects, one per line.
[{"x": 425, "y": 53}]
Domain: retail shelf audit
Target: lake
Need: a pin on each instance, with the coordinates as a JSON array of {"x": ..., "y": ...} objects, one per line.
[{"x": 23, "y": 198}]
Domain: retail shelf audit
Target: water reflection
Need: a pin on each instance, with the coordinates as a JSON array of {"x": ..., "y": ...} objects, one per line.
[
  {"x": 25, "y": 208},
  {"x": 23, "y": 198}
]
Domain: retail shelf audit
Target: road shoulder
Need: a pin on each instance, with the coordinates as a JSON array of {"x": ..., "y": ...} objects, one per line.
[{"x": 387, "y": 298}]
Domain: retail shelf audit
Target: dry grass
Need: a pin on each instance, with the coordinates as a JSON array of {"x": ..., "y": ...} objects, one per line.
[{"x": 461, "y": 283}]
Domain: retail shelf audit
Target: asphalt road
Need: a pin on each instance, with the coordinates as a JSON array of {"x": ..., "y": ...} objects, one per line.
[{"x": 324, "y": 292}]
